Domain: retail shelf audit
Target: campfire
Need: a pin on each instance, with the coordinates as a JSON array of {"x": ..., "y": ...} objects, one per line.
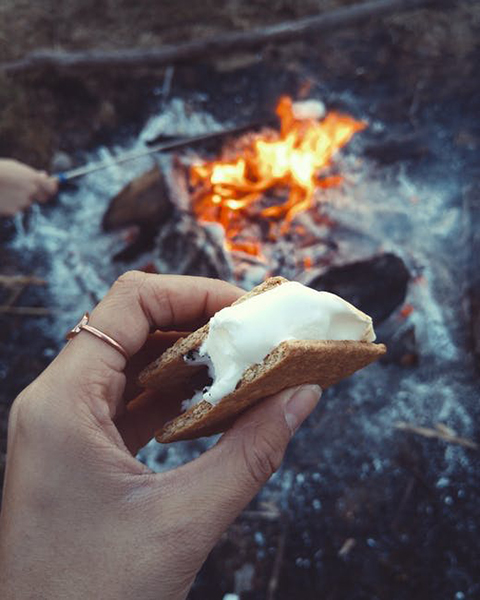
[
  {"x": 271, "y": 175},
  {"x": 380, "y": 487}
]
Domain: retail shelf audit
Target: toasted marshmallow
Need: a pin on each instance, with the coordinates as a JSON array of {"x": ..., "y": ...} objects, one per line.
[
  {"x": 308, "y": 109},
  {"x": 244, "y": 334}
]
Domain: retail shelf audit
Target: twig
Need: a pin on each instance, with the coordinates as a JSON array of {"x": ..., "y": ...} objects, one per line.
[
  {"x": 219, "y": 45},
  {"x": 261, "y": 514},
  {"x": 277, "y": 565},
  {"x": 440, "y": 432},
  {"x": 267, "y": 510},
  {"x": 16, "y": 284},
  {"x": 347, "y": 547},
  {"x": 16, "y": 280},
  {"x": 25, "y": 311}
]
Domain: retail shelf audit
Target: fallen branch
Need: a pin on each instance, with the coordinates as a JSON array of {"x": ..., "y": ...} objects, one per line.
[
  {"x": 25, "y": 311},
  {"x": 440, "y": 432},
  {"x": 219, "y": 45},
  {"x": 16, "y": 280}
]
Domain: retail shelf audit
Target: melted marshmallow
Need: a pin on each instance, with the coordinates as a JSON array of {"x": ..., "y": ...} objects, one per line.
[{"x": 242, "y": 335}]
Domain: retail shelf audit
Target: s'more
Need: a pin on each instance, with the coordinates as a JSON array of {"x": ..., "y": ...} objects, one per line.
[{"x": 281, "y": 334}]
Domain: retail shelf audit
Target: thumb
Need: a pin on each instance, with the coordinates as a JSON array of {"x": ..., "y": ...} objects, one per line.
[
  {"x": 221, "y": 482},
  {"x": 47, "y": 186}
]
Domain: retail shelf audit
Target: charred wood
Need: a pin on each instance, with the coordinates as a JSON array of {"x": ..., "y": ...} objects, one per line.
[
  {"x": 391, "y": 150},
  {"x": 144, "y": 202},
  {"x": 140, "y": 241},
  {"x": 377, "y": 286},
  {"x": 192, "y": 248}
]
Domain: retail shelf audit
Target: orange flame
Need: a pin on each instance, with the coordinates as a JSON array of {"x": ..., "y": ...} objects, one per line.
[{"x": 228, "y": 189}]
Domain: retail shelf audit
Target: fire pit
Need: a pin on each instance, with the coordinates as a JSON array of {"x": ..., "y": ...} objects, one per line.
[
  {"x": 232, "y": 191},
  {"x": 259, "y": 203},
  {"x": 378, "y": 496}
]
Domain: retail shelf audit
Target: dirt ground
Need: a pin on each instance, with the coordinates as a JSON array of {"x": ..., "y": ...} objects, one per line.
[{"x": 44, "y": 110}]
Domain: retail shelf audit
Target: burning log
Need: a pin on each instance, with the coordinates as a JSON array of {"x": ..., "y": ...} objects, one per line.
[
  {"x": 377, "y": 286},
  {"x": 219, "y": 45},
  {"x": 272, "y": 176}
]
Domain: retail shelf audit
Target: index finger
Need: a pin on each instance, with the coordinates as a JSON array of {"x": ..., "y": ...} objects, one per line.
[
  {"x": 140, "y": 302},
  {"x": 136, "y": 304}
]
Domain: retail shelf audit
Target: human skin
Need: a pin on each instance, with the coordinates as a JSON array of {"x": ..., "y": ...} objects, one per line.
[
  {"x": 20, "y": 186},
  {"x": 81, "y": 517}
]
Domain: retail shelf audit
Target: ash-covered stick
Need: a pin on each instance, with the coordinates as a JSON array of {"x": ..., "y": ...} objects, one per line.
[{"x": 219, "y": 45}]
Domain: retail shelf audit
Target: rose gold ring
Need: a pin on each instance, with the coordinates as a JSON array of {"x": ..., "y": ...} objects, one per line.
[{"x": 83, "y": 324}]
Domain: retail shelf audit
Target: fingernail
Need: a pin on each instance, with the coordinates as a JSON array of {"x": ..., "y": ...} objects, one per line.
[{"x": 300, "y": 405}]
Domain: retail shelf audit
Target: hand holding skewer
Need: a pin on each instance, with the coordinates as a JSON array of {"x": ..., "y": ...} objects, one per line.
[{"x": 21, "y": 185}]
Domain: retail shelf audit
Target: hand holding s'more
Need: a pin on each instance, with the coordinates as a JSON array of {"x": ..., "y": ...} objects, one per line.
[
  {"x": 280, "y": 335},
  {"x": 91, "y": 521}
]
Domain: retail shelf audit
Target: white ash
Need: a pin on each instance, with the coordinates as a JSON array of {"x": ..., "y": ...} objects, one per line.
[
  {"x": 180, "y": 118},
  {"x": 376, "y": 209}
]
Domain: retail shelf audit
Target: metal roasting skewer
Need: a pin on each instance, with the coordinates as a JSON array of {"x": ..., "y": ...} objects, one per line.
[{"x": 67, "y": 176}]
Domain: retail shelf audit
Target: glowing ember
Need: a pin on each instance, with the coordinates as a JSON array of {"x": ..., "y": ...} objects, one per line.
[
  {"x": 230, "y": 190},
  {"x": 406, "y": 311}
]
